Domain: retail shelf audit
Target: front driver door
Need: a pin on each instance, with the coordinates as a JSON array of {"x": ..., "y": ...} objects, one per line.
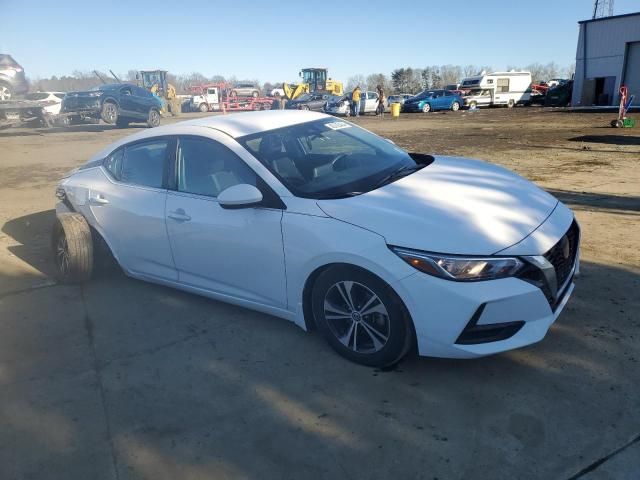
[
  {"x": 127, "y": 102},
  {"x": 232, "y": 252}
]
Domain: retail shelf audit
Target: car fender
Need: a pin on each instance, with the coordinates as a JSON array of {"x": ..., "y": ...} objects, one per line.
[
  {"x": 110, "y": 98},
  {"x": 339, "y": 243}
]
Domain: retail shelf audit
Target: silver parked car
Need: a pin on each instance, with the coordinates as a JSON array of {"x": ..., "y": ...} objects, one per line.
[
  {"x": 398, "y": 98},
  {"x": 12, "y": 78},
  {"x": 246, "y": 90}
]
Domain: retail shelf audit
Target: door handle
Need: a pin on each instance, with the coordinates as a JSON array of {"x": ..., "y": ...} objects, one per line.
[
  {"x": 98, "y": 200},
  {"x": 179, "y": 215}
]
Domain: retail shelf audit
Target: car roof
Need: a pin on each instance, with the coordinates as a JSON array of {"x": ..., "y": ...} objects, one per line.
[
  {"x": 240, "y": 124},
  {"x": 235, "y": 125}
]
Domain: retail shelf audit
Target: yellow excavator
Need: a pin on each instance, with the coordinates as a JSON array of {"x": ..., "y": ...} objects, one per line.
[
  {"x": 156, "y": 82},
  {"x": 313, "y": 80}
]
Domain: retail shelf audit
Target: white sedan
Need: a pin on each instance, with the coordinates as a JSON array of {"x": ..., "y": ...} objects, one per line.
[{"x": 325, "y": 224}]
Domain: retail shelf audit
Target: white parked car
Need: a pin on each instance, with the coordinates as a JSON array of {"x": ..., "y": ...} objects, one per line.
[
  {"x": 342, "y": 105},
  {"x": 325, "y": 224},
  {"x": 51, "y": 100},
  {"x": 478, "y": 98}
]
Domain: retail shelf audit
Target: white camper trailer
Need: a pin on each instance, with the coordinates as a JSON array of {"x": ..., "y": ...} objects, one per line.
[{"x": 498, "y": 88}]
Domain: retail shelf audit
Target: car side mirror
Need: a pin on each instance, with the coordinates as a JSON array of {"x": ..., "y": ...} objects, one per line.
[{"x": 240, "y": 196}]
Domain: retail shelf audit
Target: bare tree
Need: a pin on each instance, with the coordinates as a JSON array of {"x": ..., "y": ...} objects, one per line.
[
  {"x": 470, "y": 70},
  {"x": 450, "y": 74},
  {"x": 354, "y": 81},
  {"x": 376, "y": 79}
]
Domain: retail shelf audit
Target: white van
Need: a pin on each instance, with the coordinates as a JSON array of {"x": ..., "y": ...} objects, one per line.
[{"x": 498, "y": 88}]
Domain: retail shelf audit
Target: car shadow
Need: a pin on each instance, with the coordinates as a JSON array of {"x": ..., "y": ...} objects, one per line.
[
  {"x": 608, "y": 139},
  {"x": 32, "y": 233},
  {"x": 597, "y": 201}
]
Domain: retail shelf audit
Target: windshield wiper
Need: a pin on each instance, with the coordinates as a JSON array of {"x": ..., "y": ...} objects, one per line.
[
  {"x": 399, "y": 173},
  {"x": 331, "y": 196}
]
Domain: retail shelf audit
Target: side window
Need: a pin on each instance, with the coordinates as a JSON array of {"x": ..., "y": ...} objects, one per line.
[
  {"x": 125, "y": 91},
  {"x": 503, "y": 85},
  {"x": 144, "y": 163},
  {"x": 113, "y": 163},
  {"x": 207, "y": 168}
]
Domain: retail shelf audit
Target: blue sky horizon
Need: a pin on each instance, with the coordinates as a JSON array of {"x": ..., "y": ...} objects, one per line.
[{"x": 259, "y": 42}]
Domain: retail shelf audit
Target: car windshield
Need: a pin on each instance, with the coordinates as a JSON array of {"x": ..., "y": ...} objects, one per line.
[{"x": 329, "y": 159}]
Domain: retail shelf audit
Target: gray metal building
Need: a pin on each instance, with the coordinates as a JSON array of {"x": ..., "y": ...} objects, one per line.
[{"x": 608, "y": 56}]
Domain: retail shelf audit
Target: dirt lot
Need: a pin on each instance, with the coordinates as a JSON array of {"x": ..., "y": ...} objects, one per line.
[{"x": 123, "y": 379}]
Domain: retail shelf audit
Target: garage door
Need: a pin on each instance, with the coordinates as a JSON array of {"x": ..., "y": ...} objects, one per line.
[{"x": 632, "y": 70}]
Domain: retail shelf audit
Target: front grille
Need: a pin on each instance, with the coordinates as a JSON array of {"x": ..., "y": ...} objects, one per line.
[
  {"x": 562, "y": 265},
  {"x": 563, "y": 254}
]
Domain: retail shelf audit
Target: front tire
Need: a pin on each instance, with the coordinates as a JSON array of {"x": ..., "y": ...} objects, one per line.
[
  {"x": 154, "y": 118},
  {"x": 72, "y": 246},
  {"x": 109, "y": 113},
  {"x": 426, "y": 108},
  {"x": 361, "y": 316},
  {"x": 203, "y": 108},
  {"x": 455, "y": 106}
]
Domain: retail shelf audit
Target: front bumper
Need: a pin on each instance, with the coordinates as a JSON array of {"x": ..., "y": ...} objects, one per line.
[
  {"x": 473, "y": 319},
  {"x": 446, "y": 314},
  {"x": 342, "y": 110},
  {"x": 411, "y": 107}
]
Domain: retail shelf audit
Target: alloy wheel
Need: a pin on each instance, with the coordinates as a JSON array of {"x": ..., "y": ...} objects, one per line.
[
  {"x": 62, "y": 255},
  {"x": 154, "y": 118},
  {"x": 357, "y": 317},
  {"x": 5, "y": 93},
  {"x": 110, "y": 112}
]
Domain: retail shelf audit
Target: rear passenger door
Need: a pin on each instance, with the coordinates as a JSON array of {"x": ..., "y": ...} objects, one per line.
[{"x": 127, "y": 207}]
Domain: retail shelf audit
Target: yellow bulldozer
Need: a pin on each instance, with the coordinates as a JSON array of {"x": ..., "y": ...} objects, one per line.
[
  {"x": 313, "y": 80},
  {"x": 156, "y": 82}
]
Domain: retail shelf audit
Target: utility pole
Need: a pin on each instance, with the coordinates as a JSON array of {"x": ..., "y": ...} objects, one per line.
[{"x": 602, "y": 8}]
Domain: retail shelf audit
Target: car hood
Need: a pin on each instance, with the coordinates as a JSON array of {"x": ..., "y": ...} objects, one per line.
[{"x": 453, "y": 205}]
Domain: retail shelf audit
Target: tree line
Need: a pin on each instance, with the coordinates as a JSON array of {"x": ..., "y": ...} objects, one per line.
[{"x": 401, "y": 80}]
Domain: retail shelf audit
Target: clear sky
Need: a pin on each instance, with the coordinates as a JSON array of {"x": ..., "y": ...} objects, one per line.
[{"x": 271, "y": 41}]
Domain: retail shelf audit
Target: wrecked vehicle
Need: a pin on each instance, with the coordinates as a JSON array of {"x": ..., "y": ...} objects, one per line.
[{"x": 116, "y": 104}]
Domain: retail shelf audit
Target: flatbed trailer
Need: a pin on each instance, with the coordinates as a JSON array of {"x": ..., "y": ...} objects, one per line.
[
  {"x": 216, "y": 97},
  {"x": 18, "y": 112}
]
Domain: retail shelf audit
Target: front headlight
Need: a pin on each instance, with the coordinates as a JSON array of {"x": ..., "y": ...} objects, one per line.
[{"x": 460, "y": 268}]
